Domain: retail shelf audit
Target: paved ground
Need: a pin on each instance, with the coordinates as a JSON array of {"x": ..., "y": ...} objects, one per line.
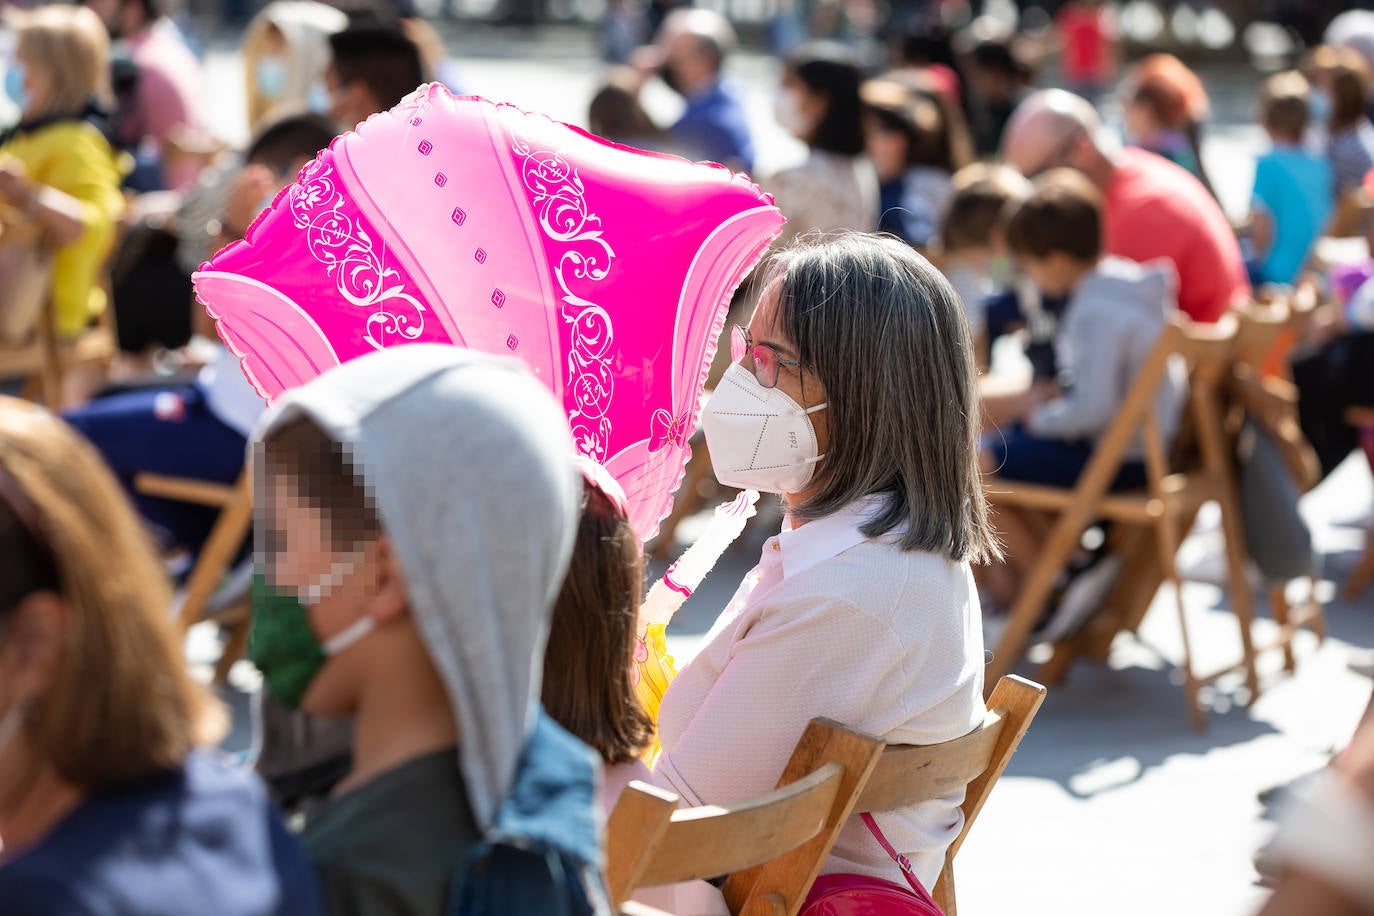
[{"x": 1112, "y": 804}]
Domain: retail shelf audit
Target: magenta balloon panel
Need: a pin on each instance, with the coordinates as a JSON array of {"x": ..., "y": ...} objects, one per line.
[{"x": 456, "y": 220}]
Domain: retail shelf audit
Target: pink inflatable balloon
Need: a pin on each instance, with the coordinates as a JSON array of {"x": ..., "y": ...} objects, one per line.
[{"x": 453, "y": 219}]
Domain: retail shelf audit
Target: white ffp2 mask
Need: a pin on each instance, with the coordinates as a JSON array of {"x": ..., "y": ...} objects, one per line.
[{"x": 760, "y": 439}]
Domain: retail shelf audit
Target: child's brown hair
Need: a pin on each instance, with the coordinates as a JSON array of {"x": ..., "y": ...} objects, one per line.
[
  {"x": 1063, "y": 214},
  {"x": 980, "y": 196},
  {"x": 589, "y": 662}
]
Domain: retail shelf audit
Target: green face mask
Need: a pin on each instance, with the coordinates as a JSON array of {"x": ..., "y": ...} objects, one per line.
[
  {"x": 281, "y": 641},
  {"x": 282, "y": 644}
]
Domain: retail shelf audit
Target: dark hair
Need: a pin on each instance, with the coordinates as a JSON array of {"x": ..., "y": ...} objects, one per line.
[
  {"x": 829, "y": 70},
  {"x": 1063, "y": 214},
  {"x": 931, "y": 44},
  {"x": 887, "y": 337},
  {"x": 1001, "y": 58},
  {"x": 1349, "y": 89},
  {"x": 1283, "y": 105},
  {"x": 616, "y": 114},
  {"x": 589, "y": 661},
  {"x": 922, "y": 117},
  {"x": 323, "y": 474},
  {"x": 978, "y": 205},
  {"x": 710, "y": 50},
  {"x": 381, "y": 56},
  {"x": 290, "y": 138}
]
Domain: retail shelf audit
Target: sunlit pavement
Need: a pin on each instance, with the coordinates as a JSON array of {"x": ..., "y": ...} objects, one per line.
[{"x": 1113, "y": 804}]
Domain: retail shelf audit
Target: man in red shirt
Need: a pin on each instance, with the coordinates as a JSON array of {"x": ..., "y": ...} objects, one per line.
[{"x": 1152, "y": 208}]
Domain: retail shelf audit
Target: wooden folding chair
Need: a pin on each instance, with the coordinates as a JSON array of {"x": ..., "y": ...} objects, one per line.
[
  {"x": 45, "y": 361},
  {"x": 235, "y": 503},
  {"x": 788, "y": 832},
  {"x": 1170, "y": 501},
  {"x": 1362, "y": 418},
  {"x": 907, "y": 775}
]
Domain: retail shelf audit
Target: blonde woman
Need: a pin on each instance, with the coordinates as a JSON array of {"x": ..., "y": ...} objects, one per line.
[
  {"x": 57, "y": 168},
  {"x": 285, "y": 54},
  {"x": 108, "y": 800}
]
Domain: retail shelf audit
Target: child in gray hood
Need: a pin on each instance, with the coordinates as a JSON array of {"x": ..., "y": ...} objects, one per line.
[{"x": 415, "y": 510}]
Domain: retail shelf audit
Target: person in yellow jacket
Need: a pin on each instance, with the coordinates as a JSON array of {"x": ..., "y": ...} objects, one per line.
[{"x": 56, "y": 167}]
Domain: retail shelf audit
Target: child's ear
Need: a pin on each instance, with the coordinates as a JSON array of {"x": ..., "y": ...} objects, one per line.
[{"x": 390, "y": 601}]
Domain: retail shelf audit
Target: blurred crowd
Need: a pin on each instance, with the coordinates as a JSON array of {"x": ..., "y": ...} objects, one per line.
[{"x": 952, "y": 207}]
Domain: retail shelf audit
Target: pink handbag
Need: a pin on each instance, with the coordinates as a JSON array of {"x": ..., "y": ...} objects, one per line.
[{"x": 860, "y": 895}]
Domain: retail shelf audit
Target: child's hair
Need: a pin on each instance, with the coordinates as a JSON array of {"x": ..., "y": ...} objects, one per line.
[
  {"x": 979, "y": 198},
  {"x": 1002, "y": 58},
  {"x": 324, "y": 476},
  {"x": 1283, "y": 105},
  {"x": 1063, "y": 214},
  {"x": 616, "y": 112},
  {"x": 934, "y": 136},
  {"x": 589, "y": 662},
  {"x": 1348, "y": 76}
]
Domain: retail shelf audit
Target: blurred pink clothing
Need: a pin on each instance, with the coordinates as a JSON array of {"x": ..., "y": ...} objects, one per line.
[{"x": 170, "y": 86}]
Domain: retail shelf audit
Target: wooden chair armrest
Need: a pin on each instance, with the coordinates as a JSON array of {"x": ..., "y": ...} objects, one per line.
[{"x": 185, "y": 490}]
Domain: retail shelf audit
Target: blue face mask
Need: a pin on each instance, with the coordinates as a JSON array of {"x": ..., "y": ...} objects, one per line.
[
  {"x": 14, "y": 84},
  {"x": 318, "y": 99},
  {"x": 1319, "y": 105},
  {"x": 271, "y": 76}
]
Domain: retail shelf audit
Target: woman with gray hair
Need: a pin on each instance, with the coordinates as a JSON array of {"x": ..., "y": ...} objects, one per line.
[{"x": 853, "y": 396}]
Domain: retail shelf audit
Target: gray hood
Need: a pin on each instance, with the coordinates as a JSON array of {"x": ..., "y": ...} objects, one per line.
[
  {"x": 1148, "y": 290},
  {"x": 468, "y": 459},
  {"x": 1105, "y": 335}
]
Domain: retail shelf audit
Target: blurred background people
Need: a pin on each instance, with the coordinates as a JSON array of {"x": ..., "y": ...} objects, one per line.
[
  {"x": 57, "y": 167},
  {"x": 689, "y": 56},
  {"x": 818, "y": 103},
  {"x": 169, "y": 86},
  {"x": 285, "y": 55},
  {"x": 1152, "y": 208},
  {"x": 1088, "y": 47},
  {"x": 617, "y": 114},
  {"x": 111, "y": 798},
  {"x": 372, "y": 67},
  {"x": 998, "y": 79},
  {"x": 1292, "y": 199},
  {"x": 916, "y": 141},
  {"x": 1164, "y": 107}
]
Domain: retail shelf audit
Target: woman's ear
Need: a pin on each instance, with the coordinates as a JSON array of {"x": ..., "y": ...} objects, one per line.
[
  {"x": 33, "y": 643},
  {"x": 390, "y": 602}
]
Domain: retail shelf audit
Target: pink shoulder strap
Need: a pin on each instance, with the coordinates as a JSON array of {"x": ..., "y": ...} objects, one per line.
[{"x": 908, "y": 870}]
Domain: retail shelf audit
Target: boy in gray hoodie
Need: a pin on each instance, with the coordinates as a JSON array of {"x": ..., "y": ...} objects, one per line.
[{"x": 1115, "y": 312}]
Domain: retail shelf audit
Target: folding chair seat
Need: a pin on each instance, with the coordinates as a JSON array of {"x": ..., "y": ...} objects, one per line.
[
  {"x": 235, "y": 503},
  {"x": 652, "y": 842},
  {"x": 1197, "y": 470}
]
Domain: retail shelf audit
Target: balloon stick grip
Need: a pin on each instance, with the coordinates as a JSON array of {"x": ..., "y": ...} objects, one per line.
[{"x": 687, "y": 573}]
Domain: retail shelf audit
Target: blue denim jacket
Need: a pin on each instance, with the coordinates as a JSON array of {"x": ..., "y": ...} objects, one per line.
[{"x": 542, "y": 855}]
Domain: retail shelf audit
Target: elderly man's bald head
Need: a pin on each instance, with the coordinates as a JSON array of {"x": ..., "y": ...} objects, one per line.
[{"x": 1046, "y": 127}]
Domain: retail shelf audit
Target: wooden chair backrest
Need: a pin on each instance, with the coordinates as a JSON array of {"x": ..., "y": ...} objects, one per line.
[
  {"x": 907, "y": 775},
  {"x": 650, "y": 842}
]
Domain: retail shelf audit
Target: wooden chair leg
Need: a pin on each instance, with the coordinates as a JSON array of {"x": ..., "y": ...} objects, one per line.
[
  {"x": 944, "y": 890},
  {"x": 1278, "y": 606},
  {"x": 1363, "y": 573},
  {"x": 225, "y": 540},
  {"x": 234, "y": 648}
]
